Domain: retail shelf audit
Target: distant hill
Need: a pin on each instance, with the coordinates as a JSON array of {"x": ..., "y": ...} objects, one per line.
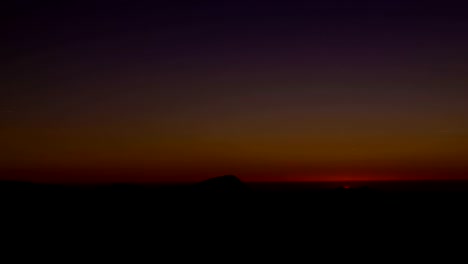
[{"x": 222, "y": 184}]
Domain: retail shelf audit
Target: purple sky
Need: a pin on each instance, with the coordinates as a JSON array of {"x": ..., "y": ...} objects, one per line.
[{"x": 251, "y": 88}]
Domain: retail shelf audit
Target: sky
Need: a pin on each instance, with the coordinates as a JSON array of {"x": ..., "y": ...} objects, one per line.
[{"x": 179, "y": 91}]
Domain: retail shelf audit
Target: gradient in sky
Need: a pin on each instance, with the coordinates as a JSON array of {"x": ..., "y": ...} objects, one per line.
[{"x": 267, "y": 90}]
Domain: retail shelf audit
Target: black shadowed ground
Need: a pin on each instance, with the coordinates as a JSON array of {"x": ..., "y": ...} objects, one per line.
[{"x": 223, "y": 210}]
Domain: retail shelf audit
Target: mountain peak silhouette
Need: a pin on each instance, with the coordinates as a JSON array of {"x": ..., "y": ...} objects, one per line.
[{"x": 223, "y": 184}]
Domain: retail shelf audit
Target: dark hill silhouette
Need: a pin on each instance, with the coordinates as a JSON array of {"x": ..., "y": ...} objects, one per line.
[
  {"x": 357, "y": 190},
  {"x": 222, "y": 184}
]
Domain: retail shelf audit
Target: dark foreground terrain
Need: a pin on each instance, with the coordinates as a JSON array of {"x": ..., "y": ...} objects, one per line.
[{"x": 226, "y": 211}]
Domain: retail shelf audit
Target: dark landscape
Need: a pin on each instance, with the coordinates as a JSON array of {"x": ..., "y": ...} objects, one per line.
[
  {"x": 223, "y": 214},
  {"x": 227, "y": 194}
]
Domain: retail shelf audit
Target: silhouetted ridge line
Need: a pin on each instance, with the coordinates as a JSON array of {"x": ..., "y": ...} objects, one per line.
[{"x": 222, "y": 184}]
